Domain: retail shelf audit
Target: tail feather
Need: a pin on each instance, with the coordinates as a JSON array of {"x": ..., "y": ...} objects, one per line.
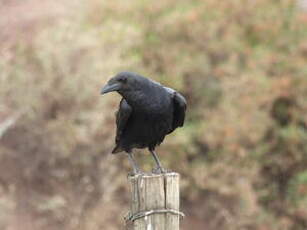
[{"x": 117, "y": 149}]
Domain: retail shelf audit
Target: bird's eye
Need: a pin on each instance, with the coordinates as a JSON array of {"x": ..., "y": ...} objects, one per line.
[{"x": 123, "y": 80}]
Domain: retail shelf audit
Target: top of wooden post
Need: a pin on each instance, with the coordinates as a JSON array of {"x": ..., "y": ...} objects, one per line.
[{"x": 146, "y": 175}]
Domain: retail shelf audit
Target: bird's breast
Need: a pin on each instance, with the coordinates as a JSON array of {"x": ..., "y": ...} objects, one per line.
[
  {"x": 151, "y": 118},
  {"x": 145, "y": 129}
]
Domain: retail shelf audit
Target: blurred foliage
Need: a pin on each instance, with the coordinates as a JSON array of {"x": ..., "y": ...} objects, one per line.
[{"x": 242, "y": 153}]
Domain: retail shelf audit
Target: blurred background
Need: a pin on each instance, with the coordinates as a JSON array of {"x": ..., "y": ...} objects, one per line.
[{"x": 242, "y": 155}]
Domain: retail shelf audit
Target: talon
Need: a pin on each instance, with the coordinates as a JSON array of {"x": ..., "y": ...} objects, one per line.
[
  {"x": 139, "y": 172},
  {"x": 159, "y": 170}
]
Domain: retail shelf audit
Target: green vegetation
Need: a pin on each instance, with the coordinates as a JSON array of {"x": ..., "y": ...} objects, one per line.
[{"x": 242, "y": 153}]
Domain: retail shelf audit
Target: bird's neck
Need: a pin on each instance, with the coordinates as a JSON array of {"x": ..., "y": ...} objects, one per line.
[{"x": 136, "y": 98}]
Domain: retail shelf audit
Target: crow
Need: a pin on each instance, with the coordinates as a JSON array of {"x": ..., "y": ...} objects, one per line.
[{"x": 148, "y": 111}]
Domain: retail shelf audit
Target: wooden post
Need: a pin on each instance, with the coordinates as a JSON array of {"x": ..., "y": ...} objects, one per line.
[{"x": 154, "y": 202}]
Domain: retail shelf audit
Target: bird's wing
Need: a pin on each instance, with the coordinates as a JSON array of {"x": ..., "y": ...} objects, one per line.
[
  {"x": 180, "y": 106},
  {"x": 122, "y": 117}
]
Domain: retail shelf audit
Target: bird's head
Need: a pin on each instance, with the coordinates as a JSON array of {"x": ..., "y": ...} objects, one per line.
[{"x": 122, "y": 82}]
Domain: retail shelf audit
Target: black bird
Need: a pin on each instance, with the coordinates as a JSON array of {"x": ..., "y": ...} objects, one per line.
[{"x": 147, "y": 112}]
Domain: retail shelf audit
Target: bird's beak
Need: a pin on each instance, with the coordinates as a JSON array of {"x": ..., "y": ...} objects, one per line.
[{"x": 110, "y": 88}]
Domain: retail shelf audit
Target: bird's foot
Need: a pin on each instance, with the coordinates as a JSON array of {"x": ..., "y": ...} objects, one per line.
[
  {"x": 135, "y": 173},
  {"x": 160, "y": 170}
]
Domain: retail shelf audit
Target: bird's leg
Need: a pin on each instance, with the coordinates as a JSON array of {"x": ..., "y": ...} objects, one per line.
[
  {"x": 136, "y": 169},
  {"x": 159, "y": 168}
]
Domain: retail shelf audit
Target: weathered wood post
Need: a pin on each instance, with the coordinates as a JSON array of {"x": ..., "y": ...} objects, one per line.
[{"x": 154, "y": 202}]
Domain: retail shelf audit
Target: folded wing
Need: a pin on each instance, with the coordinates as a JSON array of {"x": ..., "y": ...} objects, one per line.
[
  {"x": 180, "y": 106},
  {"x": 122, "y": 116}
]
